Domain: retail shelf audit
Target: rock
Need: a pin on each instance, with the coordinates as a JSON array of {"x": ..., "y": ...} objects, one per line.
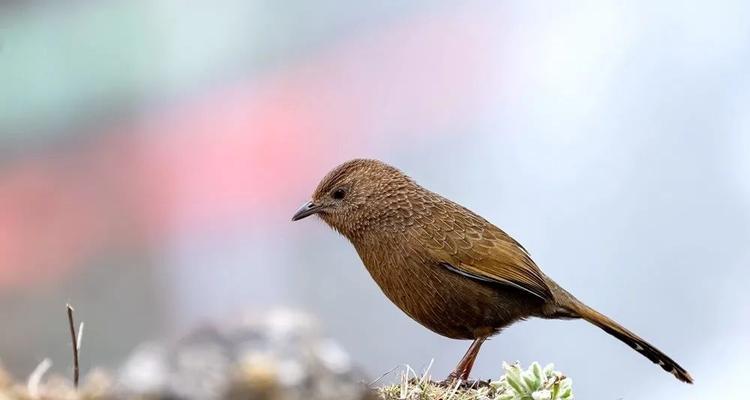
[{"x": 277, "y": 356}]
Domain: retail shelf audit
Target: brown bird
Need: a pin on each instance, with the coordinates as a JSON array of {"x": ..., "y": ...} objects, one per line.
[{"x": 446, "y": 267}]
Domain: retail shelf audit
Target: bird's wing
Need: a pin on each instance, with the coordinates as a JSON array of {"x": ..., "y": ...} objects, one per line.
[
  {"x": 494, "y": 279},
  {"x": 467, "y": 244}
]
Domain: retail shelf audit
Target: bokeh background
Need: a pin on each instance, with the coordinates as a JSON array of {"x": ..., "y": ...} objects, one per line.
[{"x": 152, "y": 153}]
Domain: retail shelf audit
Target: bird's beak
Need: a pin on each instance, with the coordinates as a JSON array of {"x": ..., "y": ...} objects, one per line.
[{"x": 306, "y": 210}]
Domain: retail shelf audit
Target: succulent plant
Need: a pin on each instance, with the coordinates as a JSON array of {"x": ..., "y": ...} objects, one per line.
[{"x": 535, "y": 383}]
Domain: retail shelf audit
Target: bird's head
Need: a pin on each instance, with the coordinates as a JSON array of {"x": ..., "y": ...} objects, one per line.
[{"x": 357, "y": 194}]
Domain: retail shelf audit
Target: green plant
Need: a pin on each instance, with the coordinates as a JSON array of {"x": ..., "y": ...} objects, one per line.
[{"x": 533, "y": 384}]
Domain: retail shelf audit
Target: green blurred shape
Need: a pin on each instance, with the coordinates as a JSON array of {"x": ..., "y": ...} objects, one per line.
[{"x": 60, "y": 61}]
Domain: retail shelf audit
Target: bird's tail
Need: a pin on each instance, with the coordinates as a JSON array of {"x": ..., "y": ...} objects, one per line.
[
  {"x": 636, "y": 342},
  {"x": 572, "y": 307}
]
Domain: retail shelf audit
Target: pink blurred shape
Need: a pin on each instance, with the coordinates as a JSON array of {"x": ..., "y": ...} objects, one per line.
[{"x": 240, "y": 151}]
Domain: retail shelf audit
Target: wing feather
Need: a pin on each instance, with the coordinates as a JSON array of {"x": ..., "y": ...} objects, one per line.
[{"x": 469, "y": 245}]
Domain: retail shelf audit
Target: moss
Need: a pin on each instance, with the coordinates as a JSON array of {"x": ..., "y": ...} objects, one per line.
[{"x": 534, "y": 383}]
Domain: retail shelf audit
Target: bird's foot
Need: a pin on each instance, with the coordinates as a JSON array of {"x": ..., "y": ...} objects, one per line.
[
  {"x": 451, "y": 380},
  {"x": 454, "y": 380}
]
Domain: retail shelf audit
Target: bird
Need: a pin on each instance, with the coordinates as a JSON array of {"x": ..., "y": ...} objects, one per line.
[{"x": 446, "y": 267}]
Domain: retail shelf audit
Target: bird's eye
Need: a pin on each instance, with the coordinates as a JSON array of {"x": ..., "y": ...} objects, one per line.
[{"x": 338, "y": 194}]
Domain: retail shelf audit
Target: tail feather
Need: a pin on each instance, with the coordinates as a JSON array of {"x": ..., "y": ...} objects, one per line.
[{"x": 633, "y": 340}]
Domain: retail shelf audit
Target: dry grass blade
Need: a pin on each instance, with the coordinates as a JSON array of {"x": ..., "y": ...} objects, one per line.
[
  {"x": 32, "y": 386},
  {"x": 80, "y": 335}
]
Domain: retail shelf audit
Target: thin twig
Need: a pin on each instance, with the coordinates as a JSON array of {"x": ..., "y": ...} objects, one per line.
[{"x": 76, "y": 344}]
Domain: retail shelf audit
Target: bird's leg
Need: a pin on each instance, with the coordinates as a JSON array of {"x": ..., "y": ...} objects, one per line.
[{"x": 463, "y": 369}]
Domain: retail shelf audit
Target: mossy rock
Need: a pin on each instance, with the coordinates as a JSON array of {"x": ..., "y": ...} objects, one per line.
[{"x": 535, "y": 383}]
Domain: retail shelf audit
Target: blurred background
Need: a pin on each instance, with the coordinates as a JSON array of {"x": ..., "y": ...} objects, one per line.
[{"x": 152, "y": 153}]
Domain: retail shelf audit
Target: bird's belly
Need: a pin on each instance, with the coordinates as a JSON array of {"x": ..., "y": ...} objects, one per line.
[{"x": 450, "y": 304}]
